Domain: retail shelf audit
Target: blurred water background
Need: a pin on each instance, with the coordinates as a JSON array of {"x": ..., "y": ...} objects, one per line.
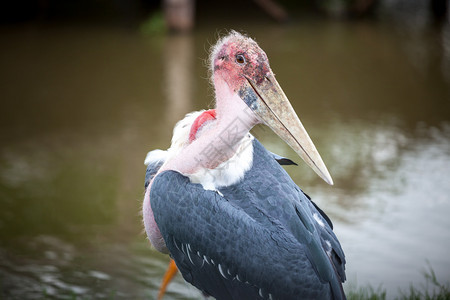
[{"x": 84, "y": 97}]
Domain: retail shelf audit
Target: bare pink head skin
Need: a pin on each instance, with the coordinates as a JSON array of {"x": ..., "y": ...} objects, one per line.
[
  {"x": 247, "y": 93},
  {"x": 237, "y": 57}
]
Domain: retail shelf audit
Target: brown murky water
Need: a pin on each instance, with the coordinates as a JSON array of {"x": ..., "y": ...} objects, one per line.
[{"x": 81, "y": 106}]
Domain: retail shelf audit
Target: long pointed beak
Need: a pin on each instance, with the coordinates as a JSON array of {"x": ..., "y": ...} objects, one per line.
[{"x": 271, "y": 105}]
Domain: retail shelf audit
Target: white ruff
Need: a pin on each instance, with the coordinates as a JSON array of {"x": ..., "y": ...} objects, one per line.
[
  {"x": 225, "y": 174},
  {"x": 228, "y": 172},
  {"x": 180, "y": 139},
  {"x": 155, "y": 156}
]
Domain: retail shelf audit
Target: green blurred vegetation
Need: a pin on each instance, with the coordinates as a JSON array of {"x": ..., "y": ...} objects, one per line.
[
  {"x": 154, "y": 24},
  {"x": 431, "y": 289}
]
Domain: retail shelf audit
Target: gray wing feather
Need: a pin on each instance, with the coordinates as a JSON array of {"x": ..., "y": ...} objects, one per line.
[{"x": 283, "y": 160}]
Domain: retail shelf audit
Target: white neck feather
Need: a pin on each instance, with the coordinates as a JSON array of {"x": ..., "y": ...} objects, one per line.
[{"x": 228, "y": 172}]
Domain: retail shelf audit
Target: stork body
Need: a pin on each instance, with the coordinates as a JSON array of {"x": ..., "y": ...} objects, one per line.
[{"x": 233, "y": 220}]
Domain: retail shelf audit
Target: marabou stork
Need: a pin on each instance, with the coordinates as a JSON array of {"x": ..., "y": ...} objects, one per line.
[{"x": 218, "y": 202}]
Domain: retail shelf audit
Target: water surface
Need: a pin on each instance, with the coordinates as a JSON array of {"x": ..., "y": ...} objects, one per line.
[{"x": 81, "y": 106}]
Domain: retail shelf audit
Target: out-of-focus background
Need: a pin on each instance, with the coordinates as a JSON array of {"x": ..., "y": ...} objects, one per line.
[{"x": 88, "y": 87}]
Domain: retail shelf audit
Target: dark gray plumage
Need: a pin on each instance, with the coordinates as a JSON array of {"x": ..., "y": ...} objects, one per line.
[
  {"x": 260, "y": 240},
  {"x": 284, "y": 161},
  {"x": 151, "y": 171}
]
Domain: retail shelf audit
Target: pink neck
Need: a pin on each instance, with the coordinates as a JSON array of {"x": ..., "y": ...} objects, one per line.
[{"x": 219, "y": 142}]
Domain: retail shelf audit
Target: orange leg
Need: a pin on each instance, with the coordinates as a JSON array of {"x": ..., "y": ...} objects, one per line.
[{"x": 170, "y": 273}]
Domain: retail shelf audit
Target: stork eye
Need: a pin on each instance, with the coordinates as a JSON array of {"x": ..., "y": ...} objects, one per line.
[{"x": 240, "y": 59}]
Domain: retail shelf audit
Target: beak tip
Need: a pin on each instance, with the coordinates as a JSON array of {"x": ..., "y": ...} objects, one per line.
[
  {"x": 327, "y": 178},
  {"x": 324, "y": 174}
]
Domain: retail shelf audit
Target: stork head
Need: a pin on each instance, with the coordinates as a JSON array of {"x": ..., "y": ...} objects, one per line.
[
  {"x": 237, "y": 57},
  {"x": 238, "y": 61}
]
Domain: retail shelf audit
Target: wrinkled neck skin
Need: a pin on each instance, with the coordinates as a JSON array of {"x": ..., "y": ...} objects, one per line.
[{"x": 218, "y": 142}]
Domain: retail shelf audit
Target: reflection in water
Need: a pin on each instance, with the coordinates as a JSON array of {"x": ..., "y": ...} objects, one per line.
[
  {"x": 446, "y": 50},
  {"x": 179, "y": 66},
  {"x": 401, "y": 228},
  {"x": 38, "y": 185},
  {"x": 414, "y": 21},
  {"x": 74, "y": 133}
]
